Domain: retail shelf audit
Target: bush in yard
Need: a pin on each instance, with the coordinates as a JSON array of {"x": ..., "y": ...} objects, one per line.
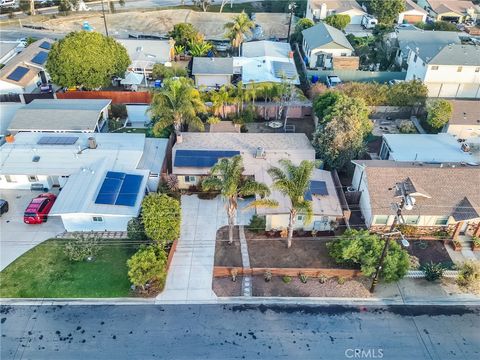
[
  {"x": 287, "y": 279},
  {"x": 338, "y": 21},
  {"x": 303, "y": 278},
  {"x": 408, "y": 93},
  {"x": 316, "y": 90},
  {"x": 82, "y": 247},
  {"x": 407, "y": 127},
  {"x": 147, "y": 265},
  {"x": 161, "y": 217},
  {"x": 360, "y": 248},
  {"x": 439, "y": 112},
  {"x": 469, "y": 276},
  {"x": 433, "y": 271},
  {"x": 160, "y": 71},
  {"x": 136, "y": 230},
  {"x": 257, "y": 224}
]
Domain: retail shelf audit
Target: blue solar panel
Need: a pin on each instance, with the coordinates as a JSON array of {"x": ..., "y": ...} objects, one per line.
[
  {"x": 46, "y": 45},
  {"x": 316, "y": 188},
  {"x": 40, "y": 58},
  {"x": 201, "y": 158},
  {"x": 119, "y": 189},
  {"x": 18, "y": 73}
]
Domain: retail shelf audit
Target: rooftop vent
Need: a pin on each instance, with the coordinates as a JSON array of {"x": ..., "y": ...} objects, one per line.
[
  {"x": 36, "y": 158},
  {"x": 92, "y": 143}
]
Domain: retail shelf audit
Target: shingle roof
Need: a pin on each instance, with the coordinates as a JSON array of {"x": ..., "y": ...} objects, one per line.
[
  {"x": 212, "y": 66},
  {"x": 323, "y": 34},
  {"x": 453, "y": 188},
  {"x": 457, "y": 54},
  {"x": 337, "y": 5},
  {"x": 465, "y": 112},
  {"x": 266, "y": 48},
  {"x": 410, "y": 5},
  {"x": 428, "y": 43},
  {"x": 457, "y": 6}
]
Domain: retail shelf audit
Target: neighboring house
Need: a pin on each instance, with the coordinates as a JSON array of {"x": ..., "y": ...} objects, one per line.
[
  {"x": 465, "y": 120},
  {"x": 7, "y": 112},
  {"x": 146, "y": 53},
  {"x": 428, "y": 148},
  {"x": 426, "y": 43},
  {"x": 412, "y": 14},
  {"x": 103, "y": 177},
  {"x": 212, "y": 72},
  {"x": 445, "y": 195},
  {"x": 195, "y": 153},
  {"x": 266, "y": 61},
  {"x": 61, "y": 115},
  {"x": 456, "y": 11},
  {"x": 323, "y": 45},
  {"x": 449, "y": 71},
  {"x": 8, "y": 50},
  {"x": 26, "y": 70},
  {"x": 320, "y": 9}
]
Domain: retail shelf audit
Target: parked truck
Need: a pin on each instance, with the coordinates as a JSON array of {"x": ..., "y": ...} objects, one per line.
[{"x": 369, "y": 22}]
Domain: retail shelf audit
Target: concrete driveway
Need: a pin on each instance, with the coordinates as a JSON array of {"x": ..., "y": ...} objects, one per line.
[
  {"x": 189, "y": 278},
  {"x": 16, "y": 238}
]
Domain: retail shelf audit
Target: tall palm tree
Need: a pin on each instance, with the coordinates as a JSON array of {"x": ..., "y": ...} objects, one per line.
[
  {"x": 238, "y": 28},
  {"x": 227, "y": 177},
  {"x": 177, "y": 103},
  {"x": 293, "y": 181},
  {"x": 220, "y": 99}
]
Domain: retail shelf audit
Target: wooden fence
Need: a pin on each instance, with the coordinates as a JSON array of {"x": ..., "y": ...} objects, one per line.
[
  {"x": 117, "y": 97},
  {"x": 225, "y": 271},
  {"x": 171, "y": 253}
]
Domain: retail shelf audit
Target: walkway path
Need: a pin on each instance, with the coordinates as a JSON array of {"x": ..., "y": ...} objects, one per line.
[
  {"x": 189, "y": 279},
  {"x": 246, "y": 280}
]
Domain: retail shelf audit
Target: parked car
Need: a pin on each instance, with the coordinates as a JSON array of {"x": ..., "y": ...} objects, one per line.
[
  {"x": 3, "y": 206},
  {"x": 333, "y": 80},
  {"x": 38, "y": 209},
  {"x": 369, "y": 22},
  {"x": 7, "y": 3}
]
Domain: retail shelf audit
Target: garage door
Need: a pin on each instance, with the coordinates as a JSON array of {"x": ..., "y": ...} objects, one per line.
[
  {"x": 412, "y": 19},
  {"x": 449, "y": 90}
]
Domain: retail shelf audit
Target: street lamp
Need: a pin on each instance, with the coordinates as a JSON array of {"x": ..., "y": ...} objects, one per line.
[{"x": 291, "y": 7}]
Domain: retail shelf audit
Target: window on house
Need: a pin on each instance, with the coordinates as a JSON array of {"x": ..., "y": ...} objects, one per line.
[
  {"x": 9, "y": 179},
  {"x": 441, "y": 220},
  {"x": 415, "y": 58},
  {"x": 381, "y": 220},
  {"x": 411, "y": 219},
  {"x": 32, "y": 178},
  {"x": 190, "y": 179},
  {"x": 343, "y": 54},
  {"x": 459, "y": 69},
  {"x": 435, "y": 67},
  {"x": 97, "y": 219},
  {"x": 300, "y": 217}
]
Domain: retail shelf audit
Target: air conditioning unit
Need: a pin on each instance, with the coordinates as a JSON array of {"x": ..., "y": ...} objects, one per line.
[{"x": 260, "y": 153}]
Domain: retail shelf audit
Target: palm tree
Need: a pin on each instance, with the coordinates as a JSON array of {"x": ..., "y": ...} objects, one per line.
[
  {"x": 238, "y": 28},
  {"x": 227, "y": 177},
  {"x": 221, "y": 98},
  {"x": 177, "y": 104},
  {"x": 293, "y": 181}
]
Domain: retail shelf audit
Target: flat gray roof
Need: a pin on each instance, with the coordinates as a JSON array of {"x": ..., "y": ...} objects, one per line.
[{"x": 212, "y": 66}]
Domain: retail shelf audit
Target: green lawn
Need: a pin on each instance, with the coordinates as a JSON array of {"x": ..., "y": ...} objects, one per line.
[{"x": 45, "y": 271}]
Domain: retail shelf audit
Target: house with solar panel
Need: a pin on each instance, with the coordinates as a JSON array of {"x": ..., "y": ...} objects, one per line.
[
  {"x": 26, "y": 71},
  {"x": 195, "y": 153},
  {"x": 101, "y": 178}
]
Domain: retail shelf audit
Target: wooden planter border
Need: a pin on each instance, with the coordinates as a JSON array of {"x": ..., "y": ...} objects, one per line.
[{"x": 226, "y": 271}]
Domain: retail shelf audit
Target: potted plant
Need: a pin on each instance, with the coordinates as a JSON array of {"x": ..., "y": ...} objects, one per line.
[
  {"x": 475, "y": 243},
  {"x": 457, "y": 245}
]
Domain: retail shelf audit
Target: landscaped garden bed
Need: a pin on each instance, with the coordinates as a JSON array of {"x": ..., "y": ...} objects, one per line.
[
  {"x": 227, "y": 254},
  {"x": 430, "y": 251},
  {"x": 225, "y": 287}
]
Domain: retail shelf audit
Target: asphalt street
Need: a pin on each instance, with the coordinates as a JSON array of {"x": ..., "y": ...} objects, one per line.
[{"x": 239, "y": 332}]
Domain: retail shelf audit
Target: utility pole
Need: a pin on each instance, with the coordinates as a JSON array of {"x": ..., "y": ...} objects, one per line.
[
  {"x": 292, "y": 6},
  {"x": 104, "y": 19}
]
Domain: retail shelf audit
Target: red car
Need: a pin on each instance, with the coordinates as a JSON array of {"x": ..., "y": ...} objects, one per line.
[{"x": 38, "y": 209}]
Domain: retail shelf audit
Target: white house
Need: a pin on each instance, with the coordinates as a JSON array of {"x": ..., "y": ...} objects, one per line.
[
  {"x": 91, "y": 171},
  {"x": 195, "y": 153},
  {"x": 412, "y": 14},
  {"x": 444, "y": 194},
  {"x": 429, "y": 148},
  {"x": 323, "y": 43},
  {"x": 212, "y": 72},
  {"x": 453, "y": 10},
  {"x": 320, "y": 9},
  {"x": 8, "y": 50},
  {"x": 26, "y": 71},
  {"x": 449, "y": 71},
  {"x": 465, "y": 120},
  {"x": 61, "y": 115}
]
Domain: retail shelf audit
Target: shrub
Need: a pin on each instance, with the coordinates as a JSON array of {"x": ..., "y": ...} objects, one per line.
[
  {"x": 439, "y": 112},
  {"x": 172, "y": 182},
  {"x": 316, "y": 89},
  {"x": 338, "y": 21},
  {"x": 322, "y": 279},
  {"x": 303, "y": 278},
  {"x": 161, "y": 217},
  {"x": 118, "y": 111},
  {"x": 257, "y": 224},
  {"x": 433, "y": 271},
  {"x": 82, "y": 247},
  {"x": 267, "y": 276},
  {"x": 212, "y": 120},
  {"x": 407, "y": 127},
  {"x": 341, "y": 280},
  {"x": 147, "y": 265},
  {"x": 287, "y": 279},
  {"x": 414, "y": 262},
  {"x": 136, "y": 230},
  {"x": 407, "y": 230},
  {"x": 469, "y": 275},
  {"x": 161, "y": 71},
  {"x": 476, "y": 241}
]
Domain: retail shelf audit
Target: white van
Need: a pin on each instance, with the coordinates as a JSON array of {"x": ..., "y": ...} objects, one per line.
[
  {"x": 369, "y": 22},
  {"x": 6, "y": 3}
]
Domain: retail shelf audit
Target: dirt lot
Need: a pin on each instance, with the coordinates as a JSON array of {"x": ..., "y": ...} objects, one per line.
[
  {"x": 303, "y": 253},
  {"x": 427, "y": 251},
  {"x": 161, "y": 21},
  {"x": 227, "y": 254}
]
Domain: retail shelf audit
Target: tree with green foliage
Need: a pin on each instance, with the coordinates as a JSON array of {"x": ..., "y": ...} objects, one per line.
[
  {"x": 323, "y": 103},
  {"x": 220, "y": 99},
  {"x": 86, "y": 59},
  {"x": 147, "y": 265},
  {"x": 386, "y": 11},
  {"x": 338, "y": 21},
  {"x": 160, "y": 71},
  {"x": 177, "y": 103},
  {"x": 372, "y": 93},
  {"x": 199, "y": 48},
  {"x": 136, "y": 230},
  {"x": 340, "y": 136},
  {"x": 183, "y": 33},
  {"x": 301, "y": 25},
  {"x": 237, "y": 29},
  {"x": 293, "y": 182},
  {"x": 408, "y": 93},
  {"x": 161, "y": 215},
  {"x": 439, "y": 113},
  {"x": 437, "y": 26},
  {"x": 360, "y": 248},
  {"x": 227, "y": 177}
]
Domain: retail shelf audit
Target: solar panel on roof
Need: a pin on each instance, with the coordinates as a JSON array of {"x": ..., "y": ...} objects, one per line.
[
  {"x": 57, "y": 140},
  {"x": 46, "y": 45},
  {"x": 201, "y": 158},
  {"x": 129, "y": 190},
  {"x": 284, "y": 69},
  {"x": 316, "y": 188},
  {"x": 18, "y": 73},
  {"x": 109, "y": 191},
  {"x": 40, "y": 58},
  {"x": 119, "y": 189}
]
